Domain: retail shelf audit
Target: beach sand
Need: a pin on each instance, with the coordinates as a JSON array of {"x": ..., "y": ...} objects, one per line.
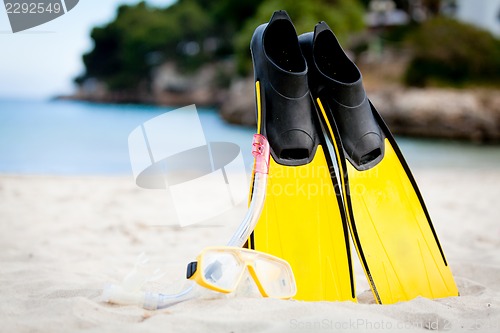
[{"x": 63, "y": 238}]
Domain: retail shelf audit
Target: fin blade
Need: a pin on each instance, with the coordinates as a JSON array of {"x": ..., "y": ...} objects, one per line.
[
  {"x": 385, "y": 204},
  {"x": 301, "y": 222}
]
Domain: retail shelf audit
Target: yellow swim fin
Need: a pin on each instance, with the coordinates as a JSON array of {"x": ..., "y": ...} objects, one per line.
[
  {"x": 303, "y": 219},
  {"x": 390, "y": 226}
]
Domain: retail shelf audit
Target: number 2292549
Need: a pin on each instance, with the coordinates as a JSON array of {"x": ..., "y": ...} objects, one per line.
[{"x": 32, "y": 7}]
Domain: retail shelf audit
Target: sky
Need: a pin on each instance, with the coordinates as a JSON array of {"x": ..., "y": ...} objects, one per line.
[{"x": 41, "y": 62}]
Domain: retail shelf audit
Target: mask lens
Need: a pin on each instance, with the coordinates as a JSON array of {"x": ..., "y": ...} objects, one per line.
[
  {"x": 275, "y": 277},
  {"x": 222, "y": 270}
]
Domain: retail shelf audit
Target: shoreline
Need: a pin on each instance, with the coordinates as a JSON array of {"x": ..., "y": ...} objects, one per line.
[{"x": 437, "y": 113}]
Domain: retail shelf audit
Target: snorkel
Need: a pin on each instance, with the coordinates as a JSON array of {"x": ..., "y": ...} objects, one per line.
[
  {"x": 130, "y": 293},
  {"x": 261, "y": 153}
]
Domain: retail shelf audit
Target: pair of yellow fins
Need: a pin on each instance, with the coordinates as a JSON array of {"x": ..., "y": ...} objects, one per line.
[{"x": 336, "y": 174}]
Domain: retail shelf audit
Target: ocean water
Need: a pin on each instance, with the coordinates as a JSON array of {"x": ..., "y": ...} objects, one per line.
[
  {"x": 66, "y": 137},
  {"x": 78, "y": 138}
]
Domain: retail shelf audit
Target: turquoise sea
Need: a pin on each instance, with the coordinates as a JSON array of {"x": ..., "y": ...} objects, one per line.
[{"x": 78, "y": 138}]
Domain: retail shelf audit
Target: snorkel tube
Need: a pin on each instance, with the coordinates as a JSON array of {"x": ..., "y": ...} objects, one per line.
[
  {"x": 129, "y": 293},
  {"x": 261, "y": 153}
]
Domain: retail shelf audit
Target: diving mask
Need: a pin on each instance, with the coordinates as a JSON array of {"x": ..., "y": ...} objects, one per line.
[{"x": 222, "y": 269}]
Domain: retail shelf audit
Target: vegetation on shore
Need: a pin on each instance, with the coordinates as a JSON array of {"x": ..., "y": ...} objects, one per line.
[
  {"x": 191, "y": 33},
  {"x": 449, "y": 52}
]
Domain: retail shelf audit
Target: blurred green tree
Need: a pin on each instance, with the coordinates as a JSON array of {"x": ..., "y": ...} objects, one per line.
[
  {"x": 194, "y": 32},
  {"x": 447, "y": 51},
  {"x": 140, "y": 37}
]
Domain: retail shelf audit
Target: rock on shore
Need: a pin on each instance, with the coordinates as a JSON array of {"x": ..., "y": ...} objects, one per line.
[{"x": 441, "y": 113}]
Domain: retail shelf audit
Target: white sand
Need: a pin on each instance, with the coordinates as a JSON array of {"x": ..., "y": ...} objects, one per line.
[{"x": 63, "y": 238}]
